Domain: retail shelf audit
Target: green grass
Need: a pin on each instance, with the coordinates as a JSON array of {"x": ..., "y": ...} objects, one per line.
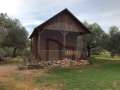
[
  {"x": 106, "y": 56},
  {"x": 102, "y": 75}
]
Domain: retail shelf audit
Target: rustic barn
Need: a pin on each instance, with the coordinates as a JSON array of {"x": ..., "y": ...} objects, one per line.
[{"x": 59, "y": 37}]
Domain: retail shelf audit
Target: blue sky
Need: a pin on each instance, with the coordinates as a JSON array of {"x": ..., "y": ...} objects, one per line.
[{"x": 33, "y": 12}]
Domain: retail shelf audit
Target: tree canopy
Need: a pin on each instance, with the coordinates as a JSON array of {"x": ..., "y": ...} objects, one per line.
[
  {"x": 99, "y": 40},
  {"x": 111, "y": 41},
  {"x": 94, "y": 39},
  {"x": 15, "y": 35}
]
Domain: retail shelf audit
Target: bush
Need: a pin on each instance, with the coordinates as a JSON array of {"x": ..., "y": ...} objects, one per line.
[{"x": 6, "y": 52}]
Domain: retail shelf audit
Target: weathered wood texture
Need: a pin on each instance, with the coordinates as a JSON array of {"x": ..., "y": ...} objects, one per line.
[
  {"x": 64, "y": 22},
  {"x": 34, "y": 46},
  {"x": 57, "y": 37}
]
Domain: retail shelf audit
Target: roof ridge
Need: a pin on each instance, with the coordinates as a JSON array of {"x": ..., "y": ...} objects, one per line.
[{"x": 61, "y": 12}]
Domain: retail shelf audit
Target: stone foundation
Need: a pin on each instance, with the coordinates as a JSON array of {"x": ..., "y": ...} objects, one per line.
[
  {"x": 35, "y": 64},
  {"x": 65, "y": 63}
]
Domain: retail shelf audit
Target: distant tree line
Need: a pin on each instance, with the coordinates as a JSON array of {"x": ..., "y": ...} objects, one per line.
[{"x": 98, "y": 40}]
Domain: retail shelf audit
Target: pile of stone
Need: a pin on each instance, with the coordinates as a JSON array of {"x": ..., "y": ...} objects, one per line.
[
  {"x": 53, "y": 63},
  {"x": 64, "y": 63}
]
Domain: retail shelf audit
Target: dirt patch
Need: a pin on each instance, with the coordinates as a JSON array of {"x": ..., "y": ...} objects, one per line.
[
  {"x": 13, "y": 79},
  {"x": 7, "y": 70}
]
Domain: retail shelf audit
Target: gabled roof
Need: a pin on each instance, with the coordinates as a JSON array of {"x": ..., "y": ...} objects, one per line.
[{"x": 62, "y": 12}]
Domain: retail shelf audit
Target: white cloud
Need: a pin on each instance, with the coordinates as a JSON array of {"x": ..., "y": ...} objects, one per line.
[
  {"x": 34, "y": 23},
  {"x": 33, "y": 12},
  {"x": 10, "y": 6}
]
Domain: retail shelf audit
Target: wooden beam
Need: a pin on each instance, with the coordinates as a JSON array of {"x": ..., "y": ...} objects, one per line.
[{"x": 38, "y": 46}]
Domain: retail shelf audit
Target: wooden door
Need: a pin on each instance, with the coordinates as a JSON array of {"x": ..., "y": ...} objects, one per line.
[{"x": 53, "y": 50}]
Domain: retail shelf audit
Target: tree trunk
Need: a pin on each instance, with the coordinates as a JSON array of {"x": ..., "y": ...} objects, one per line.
[
  {"x": 1, "y": 59},
  {"x": 89, "y": 53},
  {"x": 14, "y": 52},
  {"x": 112, "y": 54}
]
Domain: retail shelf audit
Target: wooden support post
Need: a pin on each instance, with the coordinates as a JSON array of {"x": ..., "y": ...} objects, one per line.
[
  {"x": 38, "y": 46},
  {"x": 31, "y": 46},
  {"x": 64, "y": 41}
]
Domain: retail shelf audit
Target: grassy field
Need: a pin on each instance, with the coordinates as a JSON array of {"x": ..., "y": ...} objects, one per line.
[{"x": 104, "y": 74}]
